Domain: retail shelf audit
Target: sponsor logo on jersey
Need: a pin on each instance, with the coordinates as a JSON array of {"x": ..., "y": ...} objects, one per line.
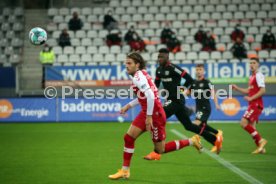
[{"x": 166, "y": 79}]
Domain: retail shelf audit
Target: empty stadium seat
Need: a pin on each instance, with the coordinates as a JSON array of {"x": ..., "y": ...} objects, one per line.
[
  {"x": 153, "y": 10},
  {"x": 180, "y": 56},
  {"x": 104, "y": 50},
  {"x": 204, "y": 55},
  {"x": 80, "y": 50},
  {"x": 86, "y": 11},
  {"x": 114, "y": 3},
  {"x": 227, "y": 55},
  {"x": 182, "y": 16},
  {"x": 64, "y": 11},
  {"x": 62, "y": 58},
  {"x": 192, "y": 56},
  {"x": 263, "y": 54},
  {"x": 176, "y": 9},
  {"x": 86, "y": 42},
  {"x": 142, "y": 9},
  {"x": 75, "y": 9},
  {"x": 216, "y": 55},
  {"x": 73, "y": 58},
  {"x": 273, "y": 54},
  {"x": 120, "y": 57},
  {"x": 57, "y": 50},
  {"x": 109, "y": 58},
  {"x": 131, "y": 10},
  {"x": 68, "y": 50},
  {"x": 115, "y": 49},
  {"x": 80, "y": 34},
  {"x": 86, "y": 58},
  {"x": 98, "y": 58},
  {"x": 137, "y": 4}
]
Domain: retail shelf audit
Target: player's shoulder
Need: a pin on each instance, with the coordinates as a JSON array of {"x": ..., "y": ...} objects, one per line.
[
  {"x": 158, "y": 68},
  {"x": 176, "y": 68},
  {"x": 140, "y": 74},
  {"x": 259, "y": 75},
  {"x": 207, "y": 80},
  {"x": 173, "y": 65}
]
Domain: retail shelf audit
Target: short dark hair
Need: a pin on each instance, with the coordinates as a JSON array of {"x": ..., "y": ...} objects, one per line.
[
  {"x": 164, "y": 50},
  {"x": 137, "y": 58},
  {"x": 255, "y": 59},
  {"x": 200, "y": 65}
]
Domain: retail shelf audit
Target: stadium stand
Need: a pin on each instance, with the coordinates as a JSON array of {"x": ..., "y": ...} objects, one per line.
[
  {"x": 220, "y": 17},
  {"x": 11, "y": 37}
]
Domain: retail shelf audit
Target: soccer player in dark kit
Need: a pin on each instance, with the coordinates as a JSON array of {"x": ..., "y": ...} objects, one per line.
[
  {"x": 170, "y": 75},
  {"x": 203, "y": 90}
]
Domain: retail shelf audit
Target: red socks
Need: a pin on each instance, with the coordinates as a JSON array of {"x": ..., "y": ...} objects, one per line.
[
  {"x": 128, "y": 149},
  {"x": 176, "y": 145},
  {"x": 254, "y": 133}
]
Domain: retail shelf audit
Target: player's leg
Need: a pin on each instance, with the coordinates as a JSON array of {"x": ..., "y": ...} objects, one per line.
[
  {"x": 201, "y": 120},
  {"x": 189, "y": 111},
  {"x": 135, "y": 130},
  {"x": 169, "y": 108},
  {"x": 158, "y": 138},
  {"x": 187, "y": 123},
  {"x": 250, "y": 128},
  {"x": 162, "y": 147}
]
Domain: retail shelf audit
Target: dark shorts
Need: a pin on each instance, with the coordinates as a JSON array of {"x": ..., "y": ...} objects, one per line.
[{"x": 203, "y": 114}]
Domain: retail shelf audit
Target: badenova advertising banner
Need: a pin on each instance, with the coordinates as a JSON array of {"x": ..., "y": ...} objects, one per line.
[{"x": 107, "y": 110}]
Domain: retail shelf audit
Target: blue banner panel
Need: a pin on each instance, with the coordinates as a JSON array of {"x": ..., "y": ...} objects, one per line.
[
  {"x": 27, "y": 110},
  {"x": 92, "y": 109},
  {"x": 7, "y": 76},
  {"x": 118, "y": 72},
  {"x": 95, "y": 110},
  {"x": 233, "y": 109}
]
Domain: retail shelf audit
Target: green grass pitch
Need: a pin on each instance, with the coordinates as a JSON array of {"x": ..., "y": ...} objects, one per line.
[{"x": 81, "y": 153}]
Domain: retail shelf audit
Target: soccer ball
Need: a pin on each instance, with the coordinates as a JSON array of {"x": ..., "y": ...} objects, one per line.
[{"x": 38, "y": 36}]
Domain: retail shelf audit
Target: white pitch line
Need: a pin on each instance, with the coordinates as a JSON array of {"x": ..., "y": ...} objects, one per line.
[{"x": 223, "y": 162}]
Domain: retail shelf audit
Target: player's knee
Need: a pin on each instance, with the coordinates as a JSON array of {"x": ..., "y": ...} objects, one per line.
[
  {"x": 129, "y": 139},
  {"x": 188, "y": 126},
  {"x": 243, "y": 123}
]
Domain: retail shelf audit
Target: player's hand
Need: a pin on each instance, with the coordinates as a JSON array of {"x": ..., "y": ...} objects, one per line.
[
  {"x": 149, "y": 124},
  {"x": 234, "y": 86},
  {"x": 217, "y": 107},
  {"x": 247, "y": 98},
  {"x": 124, "y": 109}
]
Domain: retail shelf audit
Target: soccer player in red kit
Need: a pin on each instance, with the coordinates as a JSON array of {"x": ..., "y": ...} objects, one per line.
[
  {"x": 151, "y": 117},
  {"x": 255, "y": 91}
]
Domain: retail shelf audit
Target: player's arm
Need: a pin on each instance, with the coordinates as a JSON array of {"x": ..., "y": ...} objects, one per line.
[
  {"x": 157, "y": 80},
  {"x": 129, "y": 106},
  {"x": 142, "y": 83},
  {"x": 261, "y": 84},
  {"x": 239, "y": 89},
  {"x": 260, "y": 93},
  {"x": 179, "y": 71},
  {"x": 213, "y": 95}
]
